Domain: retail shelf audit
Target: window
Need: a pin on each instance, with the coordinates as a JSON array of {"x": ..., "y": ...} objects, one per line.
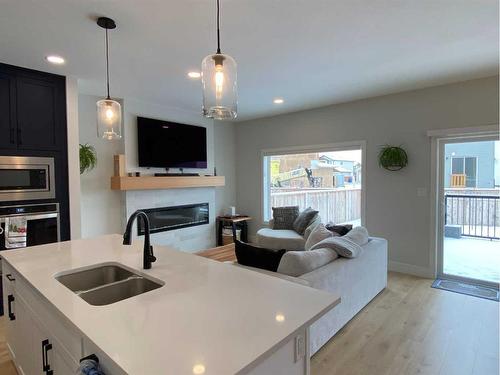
[
  {"x": 465, "y": 166},
  {"x": 326, "y": 178}
]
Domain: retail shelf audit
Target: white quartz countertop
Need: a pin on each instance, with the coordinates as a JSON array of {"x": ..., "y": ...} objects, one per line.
[{"x": 208, "y": 313}]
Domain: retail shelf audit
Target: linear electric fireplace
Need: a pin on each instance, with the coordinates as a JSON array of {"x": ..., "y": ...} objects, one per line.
[{"x": 169, "y": 218}]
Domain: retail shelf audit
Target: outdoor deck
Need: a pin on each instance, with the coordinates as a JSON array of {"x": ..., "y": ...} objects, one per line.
[{"x": 476, "y": 258}]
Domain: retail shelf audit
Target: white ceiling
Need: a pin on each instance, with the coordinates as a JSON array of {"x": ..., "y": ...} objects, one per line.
[{"x": 310, "y": 52}]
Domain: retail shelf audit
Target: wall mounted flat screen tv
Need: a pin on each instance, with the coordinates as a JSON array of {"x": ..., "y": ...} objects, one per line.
[{"x": 164, "y": 144}]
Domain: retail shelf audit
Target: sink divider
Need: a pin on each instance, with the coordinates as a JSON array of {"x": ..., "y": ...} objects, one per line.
[{"x": 81, "y": 292}]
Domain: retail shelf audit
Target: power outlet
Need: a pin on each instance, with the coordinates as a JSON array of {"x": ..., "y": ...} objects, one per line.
[{"x": 300, "y": 348}]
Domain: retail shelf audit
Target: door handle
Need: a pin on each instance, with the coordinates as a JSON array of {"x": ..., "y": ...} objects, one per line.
[
  {"x": 10, "y": 277},
  {"x": 10, "y": 299},
  {"x": 46, "y": 346}
]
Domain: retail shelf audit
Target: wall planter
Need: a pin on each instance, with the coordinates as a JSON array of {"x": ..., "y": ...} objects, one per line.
[
  {"x": 88, "y": 158},
  {"x": 392, "y": 158}
]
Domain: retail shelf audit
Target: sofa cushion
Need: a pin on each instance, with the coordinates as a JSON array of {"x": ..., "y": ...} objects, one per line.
[
  {"x": 303, "y": 220},
  {"x": 280, "y": 239},
  {"x": 284, "y": 217},
  {"x": 296, "y": 263},
  {"x": 319, "y": 233},
  {"x": 259, "y": 257},
  {"x": 341, "y": 245},
  {"x": 315, "y": 222}
]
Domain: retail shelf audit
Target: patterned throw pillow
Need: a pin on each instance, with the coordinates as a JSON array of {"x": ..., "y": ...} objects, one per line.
[
  {"x": 304, "y": 219},
  {"x": 285, "y": 216}
]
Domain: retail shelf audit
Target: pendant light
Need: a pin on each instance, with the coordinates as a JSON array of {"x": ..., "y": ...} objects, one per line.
[
  {"x": 218, "y": 80},
  {"x": 109, "y": 112}
]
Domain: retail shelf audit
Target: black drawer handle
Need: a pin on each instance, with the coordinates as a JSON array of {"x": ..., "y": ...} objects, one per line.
[
  {"x": 10, "y": 299},
  {"x": 46, "y": 346},
  {"x": 10, "y": 277}
]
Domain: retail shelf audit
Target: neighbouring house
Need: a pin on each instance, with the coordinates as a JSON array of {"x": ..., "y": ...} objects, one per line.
[{"x": 471, "y": 165}]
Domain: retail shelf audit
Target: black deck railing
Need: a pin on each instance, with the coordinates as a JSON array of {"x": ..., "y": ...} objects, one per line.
[{"x": 477, "y": 215}]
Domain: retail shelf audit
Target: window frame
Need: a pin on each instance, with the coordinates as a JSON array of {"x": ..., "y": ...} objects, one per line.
[{"x": 265, "y": 190}]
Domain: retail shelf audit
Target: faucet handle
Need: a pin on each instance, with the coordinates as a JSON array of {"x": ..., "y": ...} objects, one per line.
[{"x": 152, "y": 258}]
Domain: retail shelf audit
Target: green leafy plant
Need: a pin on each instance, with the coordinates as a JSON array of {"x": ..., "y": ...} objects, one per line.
[
  {"x": 88, "y": 158},
  {"x": 392, "y": 158}
]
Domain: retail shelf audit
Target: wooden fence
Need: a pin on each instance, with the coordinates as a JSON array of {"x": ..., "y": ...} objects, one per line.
[{"x": 336, "y": 205}]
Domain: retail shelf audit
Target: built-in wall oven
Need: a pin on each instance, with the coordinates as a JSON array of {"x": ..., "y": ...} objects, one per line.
[
  {"x": 27, "y": 225},
  {"x": 24, "y": 178}
]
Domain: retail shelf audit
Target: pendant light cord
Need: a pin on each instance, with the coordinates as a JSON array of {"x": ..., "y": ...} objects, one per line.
[
  {"x": 107, "y": 64},
  {"x": 218, "y": 27}
]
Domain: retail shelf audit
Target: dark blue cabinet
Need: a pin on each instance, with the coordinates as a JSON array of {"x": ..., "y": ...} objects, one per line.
[{"x": 7, "y": 112}]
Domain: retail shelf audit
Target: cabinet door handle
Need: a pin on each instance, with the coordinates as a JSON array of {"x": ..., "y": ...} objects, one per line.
[
  {"x": 10, "y": 277},
  {"x": 12, "y": 140},
  {"x": 46, "y": 346},
  {"x": 10, "y": 299},
  {"x": 19, "y": 138}
]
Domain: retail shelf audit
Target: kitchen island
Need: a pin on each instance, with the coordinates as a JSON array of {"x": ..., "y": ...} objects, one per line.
[{"x": 205, "y": 317}]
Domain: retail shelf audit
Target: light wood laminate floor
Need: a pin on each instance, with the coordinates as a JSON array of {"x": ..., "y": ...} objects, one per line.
[{"x": 409, "y": 328}]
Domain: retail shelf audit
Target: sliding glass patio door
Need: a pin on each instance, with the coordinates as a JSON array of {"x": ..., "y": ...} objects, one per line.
[{"x": 469, "y": 225}]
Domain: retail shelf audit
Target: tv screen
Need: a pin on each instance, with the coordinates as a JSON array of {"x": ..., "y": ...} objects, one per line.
[{"x": 164, "y": 144}]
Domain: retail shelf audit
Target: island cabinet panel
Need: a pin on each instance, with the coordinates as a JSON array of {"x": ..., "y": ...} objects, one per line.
[
  {"x": 291, "y": 358},
  {"x": 36, "y": 348}
]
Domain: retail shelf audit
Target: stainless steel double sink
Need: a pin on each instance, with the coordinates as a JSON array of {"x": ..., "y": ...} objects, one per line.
[{"x": 105, "y": 284}]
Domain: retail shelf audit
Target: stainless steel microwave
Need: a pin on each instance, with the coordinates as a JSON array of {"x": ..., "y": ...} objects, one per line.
[{"x": 26, "y": 178}]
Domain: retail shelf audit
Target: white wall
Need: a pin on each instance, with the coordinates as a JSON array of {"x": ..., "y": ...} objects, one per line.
[
  {"x": 393, "y": 209},
  {"x": 105, "y": 211},
  {"x": 186, "y": 239},
  {"x": 101, "y": 208},
  {"x": 73, "y": 157}
]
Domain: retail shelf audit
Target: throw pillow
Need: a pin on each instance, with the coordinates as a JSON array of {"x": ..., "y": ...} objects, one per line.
[
  {"x": 319, "y": 233},
  {"x": 284, "y": 217},
  {"x": 315, "y": 222},
  {"x": 259, "y": 257},
  {"x": 342, "y": 230},
  {"x": 341, "y": 245},
  {"x": 358, "y": 235},
  {"x": 303, "y": 220},
  {"x": 297, "y": 263}
]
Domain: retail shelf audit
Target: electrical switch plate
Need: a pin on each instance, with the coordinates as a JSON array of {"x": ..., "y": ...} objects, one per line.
[
  {"x": 300, "y": 348},
  {"x": 421, "y": 192}
]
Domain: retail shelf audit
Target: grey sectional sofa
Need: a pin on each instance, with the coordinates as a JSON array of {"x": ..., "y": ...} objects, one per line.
[{"x": 357, "y": 281}]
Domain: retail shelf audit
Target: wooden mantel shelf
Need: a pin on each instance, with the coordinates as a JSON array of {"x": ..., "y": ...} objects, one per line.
[{"x": 160, "y": 183}]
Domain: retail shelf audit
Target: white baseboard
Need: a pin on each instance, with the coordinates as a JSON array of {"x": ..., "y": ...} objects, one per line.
[{"x": 411, "y": 269}]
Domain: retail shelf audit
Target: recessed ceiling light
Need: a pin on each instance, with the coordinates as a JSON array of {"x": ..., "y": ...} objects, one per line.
[
  {"x": 194, "y": 74},
  {"x": 58, "y": 60},
  {"x": 198, "y": 369},
  {"x": 278, "y": 101}
]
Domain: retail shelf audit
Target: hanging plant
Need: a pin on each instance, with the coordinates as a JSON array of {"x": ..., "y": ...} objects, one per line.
[
  {"x": 88, "y": 158},
  {"x": 392, "y": 158}
]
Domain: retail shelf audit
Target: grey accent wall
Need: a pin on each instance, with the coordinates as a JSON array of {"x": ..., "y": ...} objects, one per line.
[{"x": 394, "y": 210}]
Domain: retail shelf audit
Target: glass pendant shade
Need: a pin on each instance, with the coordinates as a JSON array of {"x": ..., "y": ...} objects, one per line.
[
  {"x": 109, "y": 119},
  {"x": 218, "y": 78}
]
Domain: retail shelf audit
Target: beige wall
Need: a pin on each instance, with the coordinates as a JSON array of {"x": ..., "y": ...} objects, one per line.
[{"x": 393, "y": 208}]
